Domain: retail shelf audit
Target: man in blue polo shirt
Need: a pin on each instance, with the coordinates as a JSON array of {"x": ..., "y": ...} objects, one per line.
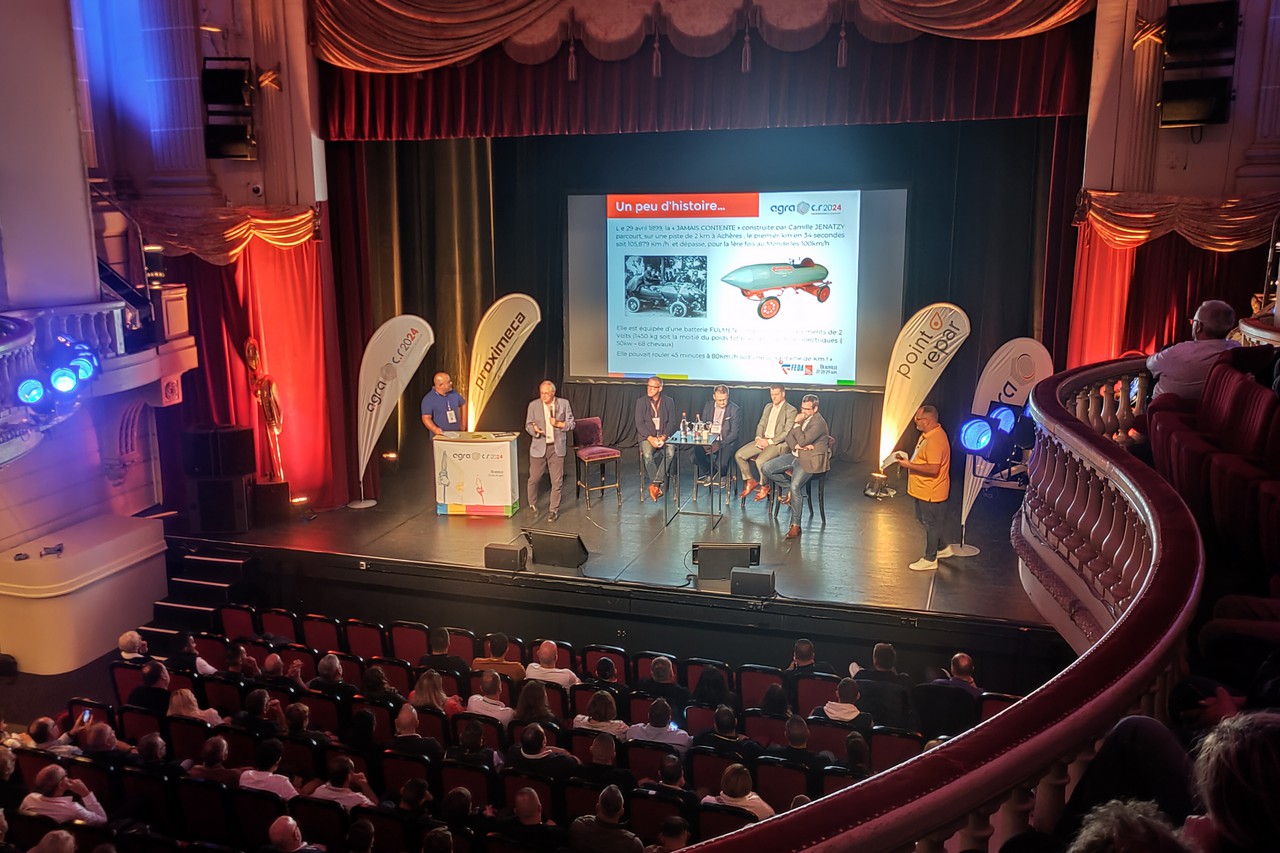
[{"x": 443, "y": 409}]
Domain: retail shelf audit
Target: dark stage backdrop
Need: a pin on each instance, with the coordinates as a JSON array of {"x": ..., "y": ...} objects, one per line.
[{"x": 984, "y": 231}]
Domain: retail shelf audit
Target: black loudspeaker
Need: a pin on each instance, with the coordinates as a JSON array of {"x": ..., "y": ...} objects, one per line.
[
  {"x": 499, "y": 555},
  {"x": 218, "y": 451},
  {"x": 220, "y": 504},
  {"x": 1195, "y": 102},
  {"x": 757, "y": 583},
  {"x": 551, "y": 548},
  {"x": 229, "y": 142},
  {"x": 1201, "y": 28},
  {"x": 271, "y": 503}
]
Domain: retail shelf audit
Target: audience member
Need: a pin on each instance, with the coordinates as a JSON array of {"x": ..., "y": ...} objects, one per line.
[
  {"x": 186, "y": 656},
  {"x": 297, "y": 724},
  {"x": 153, "y": 754},
  {"x": 497, "y": 645},
  {"x": 56, "y": 841},
  {"x": 1182, "y": 368},
  {"x": 671, "y": 782},
  {"x": 329, "y": 678},
  {"x": 489, "y": 700},
  {"x": 360, "y": 837},
  {"x": 362, "y": 736},
  {"x": 11, "y": 788},
  {"x": 276, "y": 674},
  {"x": 438, "y": 657},
  {"x": 724, "y": 738},
  {"x": 153, "y": 692},
  {"x": 131, "y": 648},
  {"x": 885, "y": 692},
  {"x": 470, "y": 748},
  {"x": 606, "y": 678},
  {"x": 660, "y": 729},
  {"x": 182, "y": 703},
  {"x": 6, "y": 847},
  {"x": 526, "y": 826},
  {"x": 804, "y": 660},
  {"x": 261, "y": 715},
  {"x": 602, "y": 716},
  {"x": 428, "y": 692},
  {"x": 775, "y": 702},
  {"x": 672, "y": 835},
  {"x": 439, "y": 840},
  {"x": 961, "y": 675},
  {"x": 884, "y": 667},
  {"x": 661, "y": 683},
  {"x": 713, "y": 689},
  {"x": 735, "y": 790},
  {"x": 602, "y": 770},
  {"x": 263, "y": 776},
  {"x": 799, "y": 800},
  {"x": 213, "y": 757},
  {"x": 407, "y": 741},
  {"x": 412, "y": 806},
  {"x": 1127, "y": 825},
  {"x": 1237, "y": 772},
  {"x": 54, "y": 794},
  {"x": 603, "y": 832},
  {"x": 240, "y": 663},
  {"x": 99, "y": 743},
  {"x": 45, "y": 734},
  {"x": 345, "y": 786},
  {"x": 533, "y": 755},
  {"x": 459, "y": 814},
  {"x": 844, "y": 708},
  {"x": 532, "y": 705},
  {"x": 286, "y": 837},
  {"x": 544, "y": 666},
  {"x": 857, "y": 755},
  {"x": 797, "y": 746},
  {"x": 374, "y": 685}
]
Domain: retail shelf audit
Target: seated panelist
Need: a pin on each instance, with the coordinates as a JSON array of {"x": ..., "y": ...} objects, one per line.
[
  {"x": 771, "y": 433},
  {"x": 722, "y": 418}
]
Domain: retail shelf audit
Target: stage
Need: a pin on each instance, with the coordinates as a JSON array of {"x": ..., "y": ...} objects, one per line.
[{"x": 845, "y": 581}]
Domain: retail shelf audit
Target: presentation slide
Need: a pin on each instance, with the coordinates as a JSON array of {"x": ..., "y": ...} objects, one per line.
[{"x": 736, "y": 287}]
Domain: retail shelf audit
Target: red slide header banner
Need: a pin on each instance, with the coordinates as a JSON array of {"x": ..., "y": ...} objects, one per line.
[{"x": 684, "y": 206}]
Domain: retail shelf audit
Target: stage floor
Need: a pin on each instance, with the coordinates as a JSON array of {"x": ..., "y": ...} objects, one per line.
[{"x": 858, "y": 558}]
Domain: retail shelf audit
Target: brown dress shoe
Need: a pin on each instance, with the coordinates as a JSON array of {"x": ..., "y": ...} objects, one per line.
[
  {"x": 750, "y": 487},
  {"x": 785, "y": 499},
  {"x": 655, "y": 491},
  {"x": 793, "y": 532},
  {"x": 762, "y": 493}
]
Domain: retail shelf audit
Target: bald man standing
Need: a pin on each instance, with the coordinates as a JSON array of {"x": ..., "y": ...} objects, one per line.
[{"x": 549, "y": 420}]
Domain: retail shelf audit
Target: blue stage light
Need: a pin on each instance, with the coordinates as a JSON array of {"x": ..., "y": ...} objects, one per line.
[
  {"x": 83, "y": 366},
  {"x": 976, "y": 434},
  {"x": 63, "y": 380},
  {"x": 1004, "y": 416},
  {"x": 31, "y": 392}
]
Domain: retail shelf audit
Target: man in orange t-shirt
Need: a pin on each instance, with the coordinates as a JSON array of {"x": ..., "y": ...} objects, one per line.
[{"x": 929, "y": 482}]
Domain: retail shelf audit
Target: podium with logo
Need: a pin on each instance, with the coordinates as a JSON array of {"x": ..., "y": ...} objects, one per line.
[{"x": 476, "y": 473}]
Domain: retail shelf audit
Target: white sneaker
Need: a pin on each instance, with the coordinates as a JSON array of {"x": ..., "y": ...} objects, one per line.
[
  {"x": 923, "y": 565},
  {"x": 946, "y": 552}
]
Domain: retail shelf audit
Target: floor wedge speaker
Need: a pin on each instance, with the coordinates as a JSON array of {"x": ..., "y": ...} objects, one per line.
[
  {"x": 499, "y": 555},
  {"x": 757, "y": 582},
  {"x": 552, "y": 548}
]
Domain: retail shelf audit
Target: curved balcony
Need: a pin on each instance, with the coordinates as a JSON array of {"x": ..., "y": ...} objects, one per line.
[{"x": 1111, "y": 557}]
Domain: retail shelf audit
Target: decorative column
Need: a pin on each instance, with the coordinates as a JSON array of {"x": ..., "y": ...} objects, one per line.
[{"x": 1262, "y": 157}]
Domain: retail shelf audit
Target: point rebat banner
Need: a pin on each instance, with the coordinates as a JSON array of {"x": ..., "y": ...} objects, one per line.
[
  {"x": 924, "y": 348},
  {"x": 1008, "y": 378},
  {"x": 502, "y": 331},
  {"x": 392, "y": 356}
]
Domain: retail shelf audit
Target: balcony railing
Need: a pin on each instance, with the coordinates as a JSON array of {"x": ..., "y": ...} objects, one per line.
[{"x": 1110, "y": 556}]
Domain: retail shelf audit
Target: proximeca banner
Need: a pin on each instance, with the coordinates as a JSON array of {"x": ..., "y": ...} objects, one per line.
[
  {"x": 923, "y": 350},
  {"x": 1008, "y": 378},
  {"x": 502, "y": 331},
  {"x": 392, "y": 357}
]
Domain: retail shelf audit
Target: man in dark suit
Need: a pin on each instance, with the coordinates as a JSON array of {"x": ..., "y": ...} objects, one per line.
[
  {"x": 549, "y": 420},
  {"x": 655, "y": 420},
  {"x": 723, "y": 418},
  {"x": 808, "y": 452}
]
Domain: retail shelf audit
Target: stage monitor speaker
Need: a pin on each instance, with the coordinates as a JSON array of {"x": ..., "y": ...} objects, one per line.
[
  {"x": 715, "y": 560},
  {"x": 500, "y": 555},
  {"x": 220, "y": 504},
  {"x": 1199, "y": 28},
  {"x": 218, "y": 451},
  {"x": 757, "y": 583},
  {"x": 271, "y": 503},
  {"x": 1195, "y": 102},
  {"x": 552, "y": 548}
]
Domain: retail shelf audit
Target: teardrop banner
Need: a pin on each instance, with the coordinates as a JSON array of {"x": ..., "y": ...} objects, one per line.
[
  {"x": 390, "y": 360},
  {"x": 502, "y": 331},
  {"x": 923, "y": 350}
]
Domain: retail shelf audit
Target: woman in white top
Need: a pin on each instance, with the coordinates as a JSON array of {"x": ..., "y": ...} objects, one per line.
[
  {"x": 735, "y": 790},
  {"x": 602, "y": 716},
  {"x": 182, "y": 703}
]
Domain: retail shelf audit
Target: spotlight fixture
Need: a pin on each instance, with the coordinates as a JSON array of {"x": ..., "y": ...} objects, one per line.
[{"x": 64, "y": 380}]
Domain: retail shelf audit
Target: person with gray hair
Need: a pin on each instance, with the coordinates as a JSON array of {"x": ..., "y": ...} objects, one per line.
[
  {"x": 488, "y": 701},
  {"x": 53, "y": 794},
  {"x": 549, "y": 420},
  {"x": 131, "y": 648},
  {"x": 1182, "y": 368},
  {"x": 662, "y": 683},
  {"x": 329, "y": 678}
]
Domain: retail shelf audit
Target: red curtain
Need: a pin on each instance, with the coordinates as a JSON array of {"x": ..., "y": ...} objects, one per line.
[
  {"x": 926, "y": 79},
  {"x": 1100, "y": 299}
]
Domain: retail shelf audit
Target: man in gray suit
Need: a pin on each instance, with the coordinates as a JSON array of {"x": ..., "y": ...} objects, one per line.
[
  {"x": 549, "y": 420},
  {"x": 807, "y": 452},
  {"x": 775, "y": 422}
]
